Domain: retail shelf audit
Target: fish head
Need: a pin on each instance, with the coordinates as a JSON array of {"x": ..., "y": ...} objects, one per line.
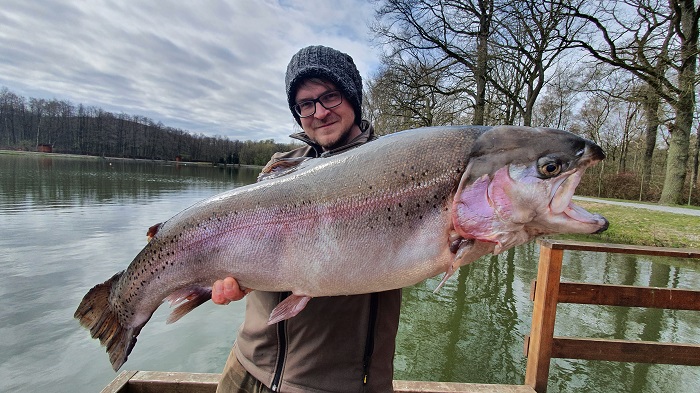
[{"x": 519, "y": 184}]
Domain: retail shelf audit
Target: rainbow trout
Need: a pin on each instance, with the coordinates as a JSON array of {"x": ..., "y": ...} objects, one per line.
[{"x": 385, "y": 215}]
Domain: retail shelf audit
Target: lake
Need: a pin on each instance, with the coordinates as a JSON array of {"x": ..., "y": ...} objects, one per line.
[{"x": 67, "y": 224}]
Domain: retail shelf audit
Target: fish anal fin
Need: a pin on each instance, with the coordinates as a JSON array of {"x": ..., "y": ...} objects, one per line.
[
  {"x": 288, "y": 308},
  {"x": 96, "y": 314},
  {"x": 186, "y": 300},
  {"x": 153, "y": 230}
]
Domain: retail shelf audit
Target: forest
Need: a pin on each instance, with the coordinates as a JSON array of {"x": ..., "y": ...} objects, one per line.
[
  {"x": 26, "y": 123},
  {"x": 621, "y": 73}
]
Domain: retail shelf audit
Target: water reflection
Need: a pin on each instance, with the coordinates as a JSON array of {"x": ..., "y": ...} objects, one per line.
[
  {"x": 68, "y": 224},
  {"x": 473, "y": 330},
  {"x": 484, "y": 317},
  {"x": 54, "y": 182}
]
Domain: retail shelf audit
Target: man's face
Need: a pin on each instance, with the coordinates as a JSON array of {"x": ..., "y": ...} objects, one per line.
[{"x": 330, "y": 128}]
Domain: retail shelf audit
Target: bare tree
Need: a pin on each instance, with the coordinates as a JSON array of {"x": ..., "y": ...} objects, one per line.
[
  {"x": 454, "y": 33},
  {"x": 414, "y": 93},
  {"x": 657, "y": 42},
  {"x": 502, "y": 49},
  {"x": 555, "y": 108},
  {"x": 529, "y": 39}
]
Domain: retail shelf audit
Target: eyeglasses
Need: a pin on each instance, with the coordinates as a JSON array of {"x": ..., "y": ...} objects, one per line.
[{"x": 328, "y": 100}]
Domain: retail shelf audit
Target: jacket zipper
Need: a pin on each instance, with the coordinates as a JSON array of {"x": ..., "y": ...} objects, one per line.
[
  {"x": 369, "y": 343},
  {"x": 282, "y": 337}
]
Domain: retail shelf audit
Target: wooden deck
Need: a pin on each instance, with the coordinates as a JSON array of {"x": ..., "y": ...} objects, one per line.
[
  {"x": 172, "y": 382},
  {"x": 540, "y": 346}
]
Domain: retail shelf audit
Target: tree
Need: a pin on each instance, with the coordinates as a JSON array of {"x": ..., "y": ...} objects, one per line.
[
  {"x": 502, "y": 50},
  {"x": 452, "y": 33},
  {"x": 413, "y": 94},
  {"x": 11, "y": 116},
  {"x": 529, "y": 39},
  {"x": 657, "y": 42},
  {"x": 555, "y": 108}
]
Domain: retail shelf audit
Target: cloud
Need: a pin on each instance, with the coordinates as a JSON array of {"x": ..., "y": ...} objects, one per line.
[{"x": 212, "y": 67}]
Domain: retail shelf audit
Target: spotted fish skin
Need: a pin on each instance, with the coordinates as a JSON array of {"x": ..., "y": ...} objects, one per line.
[{"x": 385, "y": 215}]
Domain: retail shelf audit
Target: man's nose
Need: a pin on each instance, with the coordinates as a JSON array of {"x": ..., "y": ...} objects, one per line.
[{"x": 321, "y": 111}]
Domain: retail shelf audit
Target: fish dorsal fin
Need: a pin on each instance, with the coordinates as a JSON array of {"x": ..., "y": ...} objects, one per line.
[
  {"x": 153, "y": 230},
  {"x": 282, "y": 167}
]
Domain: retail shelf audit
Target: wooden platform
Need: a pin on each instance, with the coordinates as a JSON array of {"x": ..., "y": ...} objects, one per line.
[{"x": 178, "y": 382}]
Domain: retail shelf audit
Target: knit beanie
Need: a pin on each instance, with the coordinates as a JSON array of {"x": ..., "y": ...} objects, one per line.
[{"x": 325, "y": 63}]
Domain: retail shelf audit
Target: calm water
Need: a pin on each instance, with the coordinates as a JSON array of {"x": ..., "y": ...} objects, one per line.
[{"x": 68, "y": 224}]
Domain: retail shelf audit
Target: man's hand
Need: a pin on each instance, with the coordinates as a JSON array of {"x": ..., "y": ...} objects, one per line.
[{"x": 227, "y": 290}]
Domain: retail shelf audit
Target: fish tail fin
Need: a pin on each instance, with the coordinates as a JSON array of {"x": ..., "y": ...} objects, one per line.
[{"x": 96, "y": 314}]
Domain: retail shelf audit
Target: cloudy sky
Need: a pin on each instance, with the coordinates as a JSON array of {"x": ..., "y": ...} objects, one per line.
[{"x": 209, "y": 66}]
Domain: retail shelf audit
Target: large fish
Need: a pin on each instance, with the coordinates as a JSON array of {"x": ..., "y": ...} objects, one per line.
[{"x": 385, "y": 215}]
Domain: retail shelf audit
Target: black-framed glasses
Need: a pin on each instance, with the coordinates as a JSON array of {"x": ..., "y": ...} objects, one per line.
[{"x": 328, "y": 100}]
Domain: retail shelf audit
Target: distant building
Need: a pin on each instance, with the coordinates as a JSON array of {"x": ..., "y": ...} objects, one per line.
[{"x": 45, "y": 148}]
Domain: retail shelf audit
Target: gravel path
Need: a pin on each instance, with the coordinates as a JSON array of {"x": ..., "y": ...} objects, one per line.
[{"x": 668, "y": 209}]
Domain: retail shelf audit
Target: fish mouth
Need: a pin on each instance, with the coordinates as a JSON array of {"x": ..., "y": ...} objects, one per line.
[{"x": 561, "y": 204}]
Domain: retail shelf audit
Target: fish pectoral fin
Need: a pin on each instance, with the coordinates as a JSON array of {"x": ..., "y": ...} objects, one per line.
[
  {"x": 460, "y": 245},
  {"x": 288, "y": 308},
  {"x": 450, "y": 271},
  {"x": 186, "y": 300},
  {"x": 467, "y": 251}
]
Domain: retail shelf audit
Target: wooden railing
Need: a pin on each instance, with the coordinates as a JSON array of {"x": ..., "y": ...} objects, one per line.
[{"x": 541, "y": 345}]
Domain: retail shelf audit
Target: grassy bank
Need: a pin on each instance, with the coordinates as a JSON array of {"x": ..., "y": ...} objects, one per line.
[{"x": 643, "y": 227}]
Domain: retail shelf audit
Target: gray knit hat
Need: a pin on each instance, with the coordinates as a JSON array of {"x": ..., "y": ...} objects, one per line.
[{"x": 325, "y": 63}]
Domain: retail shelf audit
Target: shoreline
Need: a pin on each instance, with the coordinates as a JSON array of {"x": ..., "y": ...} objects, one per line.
[{"x": 107, "y": 158}]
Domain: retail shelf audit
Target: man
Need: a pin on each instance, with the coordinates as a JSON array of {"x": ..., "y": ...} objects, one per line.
[{"x": 336, "y": 344}]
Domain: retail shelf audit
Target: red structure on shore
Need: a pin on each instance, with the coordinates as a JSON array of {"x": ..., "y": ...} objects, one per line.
[{"x": 44, "y": 148}]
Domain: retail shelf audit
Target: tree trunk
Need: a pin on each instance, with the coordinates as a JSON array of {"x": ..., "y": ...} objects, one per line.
[
  {"x": 696, "y": 163},
  {"x": 651, "y": 114},
  {"x": 481, "y": 68},
  {"x": 679, "y": 145}
]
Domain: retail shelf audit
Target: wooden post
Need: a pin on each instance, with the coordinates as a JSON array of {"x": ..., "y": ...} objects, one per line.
[{"x": 539, "y": 347}]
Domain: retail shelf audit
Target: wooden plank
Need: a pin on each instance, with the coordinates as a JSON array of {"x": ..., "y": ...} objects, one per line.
[
  {"x": 172, "y": 382},
  {"x": 620, "y": 248},
  {"x": 454, "y": 387},
  {"x": 629, "y": 296},
  {"x": 182, "y": 382},
  {"x": 626, "y": 351},
  {"x": 544, "y": 312},
  {"x": 118, "y": 384}
]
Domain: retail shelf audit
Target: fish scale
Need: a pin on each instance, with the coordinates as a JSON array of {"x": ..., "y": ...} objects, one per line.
[{"x": 385, "y": 215}]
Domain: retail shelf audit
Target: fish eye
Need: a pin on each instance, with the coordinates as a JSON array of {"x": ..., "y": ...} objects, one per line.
[{"x": 548, "y": 167}]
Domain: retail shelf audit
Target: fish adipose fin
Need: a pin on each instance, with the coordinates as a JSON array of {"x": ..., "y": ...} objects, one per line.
[
  {"x": 288, "y": 308},
  {"x": 186, "y": 300},
  {"x": 96, "y": 315}
]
